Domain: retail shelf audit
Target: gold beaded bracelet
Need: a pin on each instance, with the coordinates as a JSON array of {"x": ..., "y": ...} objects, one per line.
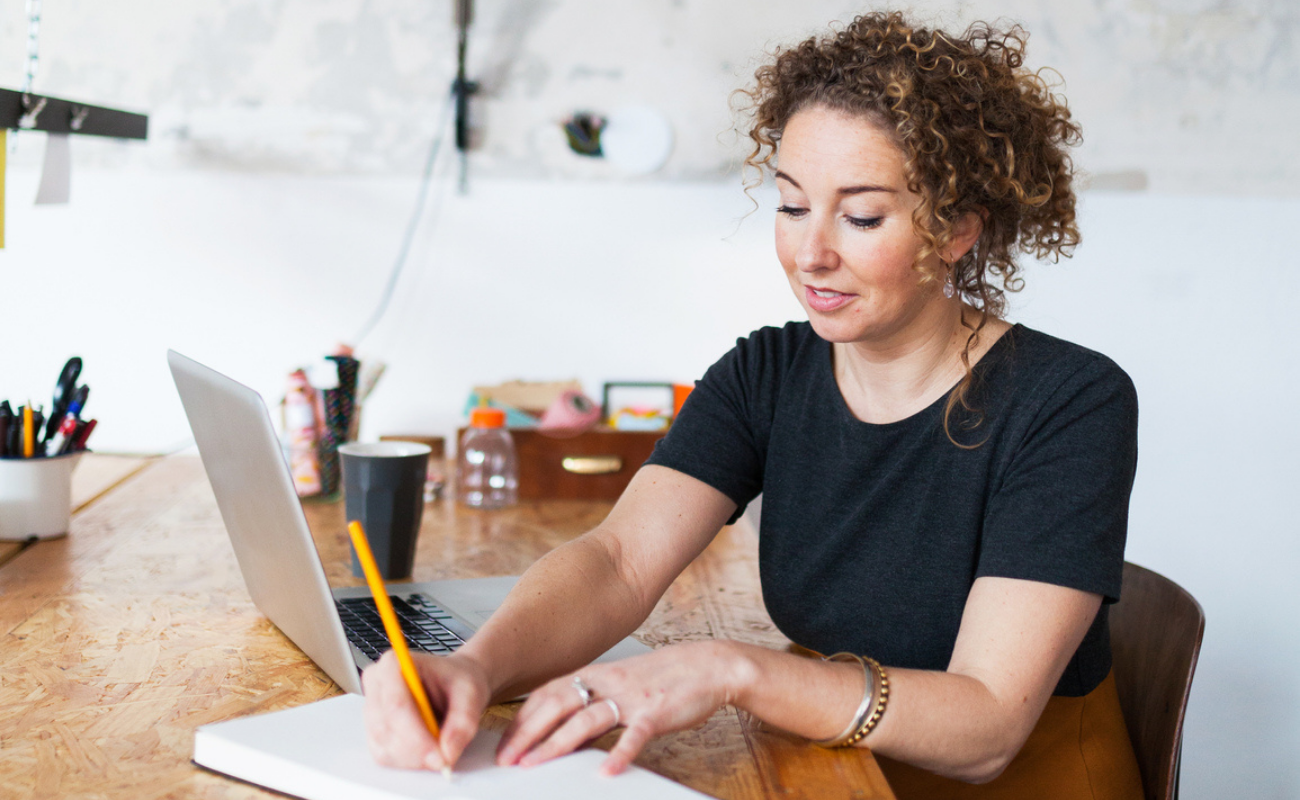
[
  {"x": 864, "y": 708},
  {"x": 882, "y": 699}
]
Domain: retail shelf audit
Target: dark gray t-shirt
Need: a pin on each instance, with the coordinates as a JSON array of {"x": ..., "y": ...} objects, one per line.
[{"x": 872, "y": 535}]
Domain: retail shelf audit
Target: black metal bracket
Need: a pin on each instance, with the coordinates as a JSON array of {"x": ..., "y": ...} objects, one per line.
[
  {"x": 25, "y": 111},
  {"x": 462, "y": 86}
]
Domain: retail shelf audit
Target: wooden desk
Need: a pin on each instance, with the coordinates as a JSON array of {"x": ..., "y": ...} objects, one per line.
[
  {"x": 122, "y": 637},
  {"x": 93, "y": 477}
]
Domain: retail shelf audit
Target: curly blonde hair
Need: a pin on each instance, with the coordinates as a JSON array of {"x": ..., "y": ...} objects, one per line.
[{"x": 979, "y": 134}]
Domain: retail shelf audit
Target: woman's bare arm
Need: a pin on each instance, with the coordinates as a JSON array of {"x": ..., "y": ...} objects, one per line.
[
  {"x": 967, "y": 722},
  {"x": 567, "y": 609},
  {"x": 583, "y": 597}
]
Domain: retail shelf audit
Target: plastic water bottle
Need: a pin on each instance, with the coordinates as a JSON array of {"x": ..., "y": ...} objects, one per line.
[{"x": 489, "y": 468}]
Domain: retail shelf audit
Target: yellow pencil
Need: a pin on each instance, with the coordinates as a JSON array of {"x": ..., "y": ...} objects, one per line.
[
  {"x": 29, "y": 432},
  {"x": 393, "y": 629}
]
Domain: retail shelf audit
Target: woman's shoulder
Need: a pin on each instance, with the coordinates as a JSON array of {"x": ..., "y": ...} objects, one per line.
[
  {"x": 773, "y": 348},
  {"x": 1042, "y": 366},
  {"x": 764, "y": 362},
  {"x": 771, "y": 338}
]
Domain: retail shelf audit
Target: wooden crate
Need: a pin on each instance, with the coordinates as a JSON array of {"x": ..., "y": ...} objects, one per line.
[{"x": 594, "y": 465}]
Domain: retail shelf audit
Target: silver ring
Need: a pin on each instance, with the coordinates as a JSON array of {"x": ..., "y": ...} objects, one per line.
[
  {"x": 583, "y": 690},
  {"x": 618, "y": 715}
]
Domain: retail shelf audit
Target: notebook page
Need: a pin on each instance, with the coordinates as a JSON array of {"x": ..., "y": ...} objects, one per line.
[{"x": 319, "y": 752}]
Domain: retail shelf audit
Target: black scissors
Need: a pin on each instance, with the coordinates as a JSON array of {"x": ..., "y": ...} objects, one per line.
[{"x": 63, "y": 391}]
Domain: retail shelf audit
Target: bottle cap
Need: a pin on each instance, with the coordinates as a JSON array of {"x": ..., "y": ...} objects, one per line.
[{"x": 485, "y": 417}]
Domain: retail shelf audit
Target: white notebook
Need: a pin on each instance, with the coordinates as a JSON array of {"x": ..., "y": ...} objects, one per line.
[{"x": 318, "y": 752}]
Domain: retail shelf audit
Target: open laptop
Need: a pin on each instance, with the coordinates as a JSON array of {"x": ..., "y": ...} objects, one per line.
[{"x": 338, "y": 629}]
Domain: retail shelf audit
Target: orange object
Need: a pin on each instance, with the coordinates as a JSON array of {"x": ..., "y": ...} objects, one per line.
[
  {"x": 487, "y": 417},
  {"x": 680, "y": 392},
  {"x": 391, "y": 625}
]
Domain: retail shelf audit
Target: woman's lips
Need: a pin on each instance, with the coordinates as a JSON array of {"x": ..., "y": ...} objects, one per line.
[{"x": 825, "y": 299}]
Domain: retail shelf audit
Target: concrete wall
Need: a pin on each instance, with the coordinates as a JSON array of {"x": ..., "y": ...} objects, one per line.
[
  {"x": 257, "y": 227},
  {"x": 1175, "y": 95}
]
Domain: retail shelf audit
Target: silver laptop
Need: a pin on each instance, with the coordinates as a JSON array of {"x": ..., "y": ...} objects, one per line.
[{"x": 278, "y": 558}]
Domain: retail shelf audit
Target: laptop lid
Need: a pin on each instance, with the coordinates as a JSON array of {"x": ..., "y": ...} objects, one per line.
[{"x": 263, "y": 516}]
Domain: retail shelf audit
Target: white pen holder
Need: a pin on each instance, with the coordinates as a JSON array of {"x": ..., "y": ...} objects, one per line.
[{"x": 36, "y": 497}]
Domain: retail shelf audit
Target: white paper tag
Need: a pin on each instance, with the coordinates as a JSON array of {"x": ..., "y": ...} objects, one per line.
[
  {"x": 324, "y": 374},
  {"x": 56, "y": 175}
]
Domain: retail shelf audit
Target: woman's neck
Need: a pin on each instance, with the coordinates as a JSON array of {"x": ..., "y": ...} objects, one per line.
[{"x": 890, "y": 381}]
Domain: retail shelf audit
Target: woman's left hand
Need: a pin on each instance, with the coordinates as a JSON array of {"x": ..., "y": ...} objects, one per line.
[{"x": 671, "y": 689}]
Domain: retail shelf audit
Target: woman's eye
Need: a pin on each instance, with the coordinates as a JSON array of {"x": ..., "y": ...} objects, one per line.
[
  {"x": 791, "y": 211},
  {"x": 865, "y": 222}
]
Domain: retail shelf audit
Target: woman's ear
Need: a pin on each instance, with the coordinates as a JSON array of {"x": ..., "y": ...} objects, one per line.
[{"x": 965, "y": 232}]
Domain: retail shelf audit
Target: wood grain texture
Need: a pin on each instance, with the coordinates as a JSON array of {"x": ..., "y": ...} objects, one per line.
[
  {"x": 121, "y": 638},
  {"x": 94, "y": 475},
  {"x": 8, "y": 550},
  {"x": 98, "y": 473}
]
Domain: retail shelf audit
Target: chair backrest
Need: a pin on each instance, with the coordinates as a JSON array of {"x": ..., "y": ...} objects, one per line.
[{"x": 1156, "y": 631}]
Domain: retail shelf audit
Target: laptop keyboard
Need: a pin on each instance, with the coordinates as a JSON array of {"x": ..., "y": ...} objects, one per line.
[{"x": 427, "y": 626}]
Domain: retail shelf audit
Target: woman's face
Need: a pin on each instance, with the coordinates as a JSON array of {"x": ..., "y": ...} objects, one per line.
[{"x": 844, "y": 230}]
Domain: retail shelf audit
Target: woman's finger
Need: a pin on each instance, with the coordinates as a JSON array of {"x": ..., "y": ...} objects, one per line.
[
  {"x": 397, "y": 734},
  {"x": 465, "y": 702},
  {"x": 547, "y": 708},
  {"x": 395, "y": 730},
  {"x": 630, "y": 744},
  {"x": 588, "y": 723},
  {"x": 671, "y": 689}
]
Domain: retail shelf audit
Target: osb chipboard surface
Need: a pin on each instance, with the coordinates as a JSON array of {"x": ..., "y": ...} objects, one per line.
[{"x": 120, "y": 639}]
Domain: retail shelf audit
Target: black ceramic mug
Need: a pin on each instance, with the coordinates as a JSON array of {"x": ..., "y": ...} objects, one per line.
[{"x": 383, "y": 489}]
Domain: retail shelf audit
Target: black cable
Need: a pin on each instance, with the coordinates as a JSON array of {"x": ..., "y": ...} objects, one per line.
[{"x": 412, "y": 225}]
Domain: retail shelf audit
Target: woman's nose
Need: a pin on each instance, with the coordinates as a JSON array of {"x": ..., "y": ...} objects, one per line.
[{"x": 816, "y": 249}]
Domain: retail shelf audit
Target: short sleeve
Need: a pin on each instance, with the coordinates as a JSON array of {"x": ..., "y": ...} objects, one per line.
[
  {"x": 1059, "y": 511},
  {"x": 720, "y": 436}
]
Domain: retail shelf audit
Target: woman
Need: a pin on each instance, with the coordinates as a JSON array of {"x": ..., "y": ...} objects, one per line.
[{"x": 944, "y": 492}]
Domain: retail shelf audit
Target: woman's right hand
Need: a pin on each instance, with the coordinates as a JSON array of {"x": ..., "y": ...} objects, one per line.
[{"x": 458, "y": 690}]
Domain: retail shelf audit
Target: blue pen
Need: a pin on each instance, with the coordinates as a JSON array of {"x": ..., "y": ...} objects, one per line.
[
  {"x": 78, "y": 401},
  {"x": 63, "y": 390},
  {"x": 63, "y": 437}
]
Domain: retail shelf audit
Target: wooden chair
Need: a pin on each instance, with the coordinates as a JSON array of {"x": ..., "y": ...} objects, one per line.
[{"x": 1156, "y": 631}]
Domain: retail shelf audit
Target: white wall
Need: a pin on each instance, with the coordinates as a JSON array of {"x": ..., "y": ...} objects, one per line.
[
  {"x": 258, "y": 274},
  {"x": 1193, "y": 296},
  {"x": 256, "y": 229}
]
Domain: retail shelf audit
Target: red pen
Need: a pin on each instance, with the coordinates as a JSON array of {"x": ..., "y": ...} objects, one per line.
[
  {"x": 63, "y": 439},
  {"x": 83, "y": 435}
]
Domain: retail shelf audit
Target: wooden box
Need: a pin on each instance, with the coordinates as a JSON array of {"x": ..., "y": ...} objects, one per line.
[{"x": 594, "y": 465}]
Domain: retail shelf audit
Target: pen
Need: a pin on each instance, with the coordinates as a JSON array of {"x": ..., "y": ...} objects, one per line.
[
  {"x": 69, "y": 434},
  {"x": 78, "y": 402},
  {"x": 63, "y": 390},
  {"x": 38, "y": 422},
  {"x": 6, "y": 417},
  {"x": 82, "y": 434},
  {"x": 393, "y": 629},
  {"x": 14, "y": 445},
  {"x": 62, "y": 440}
]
